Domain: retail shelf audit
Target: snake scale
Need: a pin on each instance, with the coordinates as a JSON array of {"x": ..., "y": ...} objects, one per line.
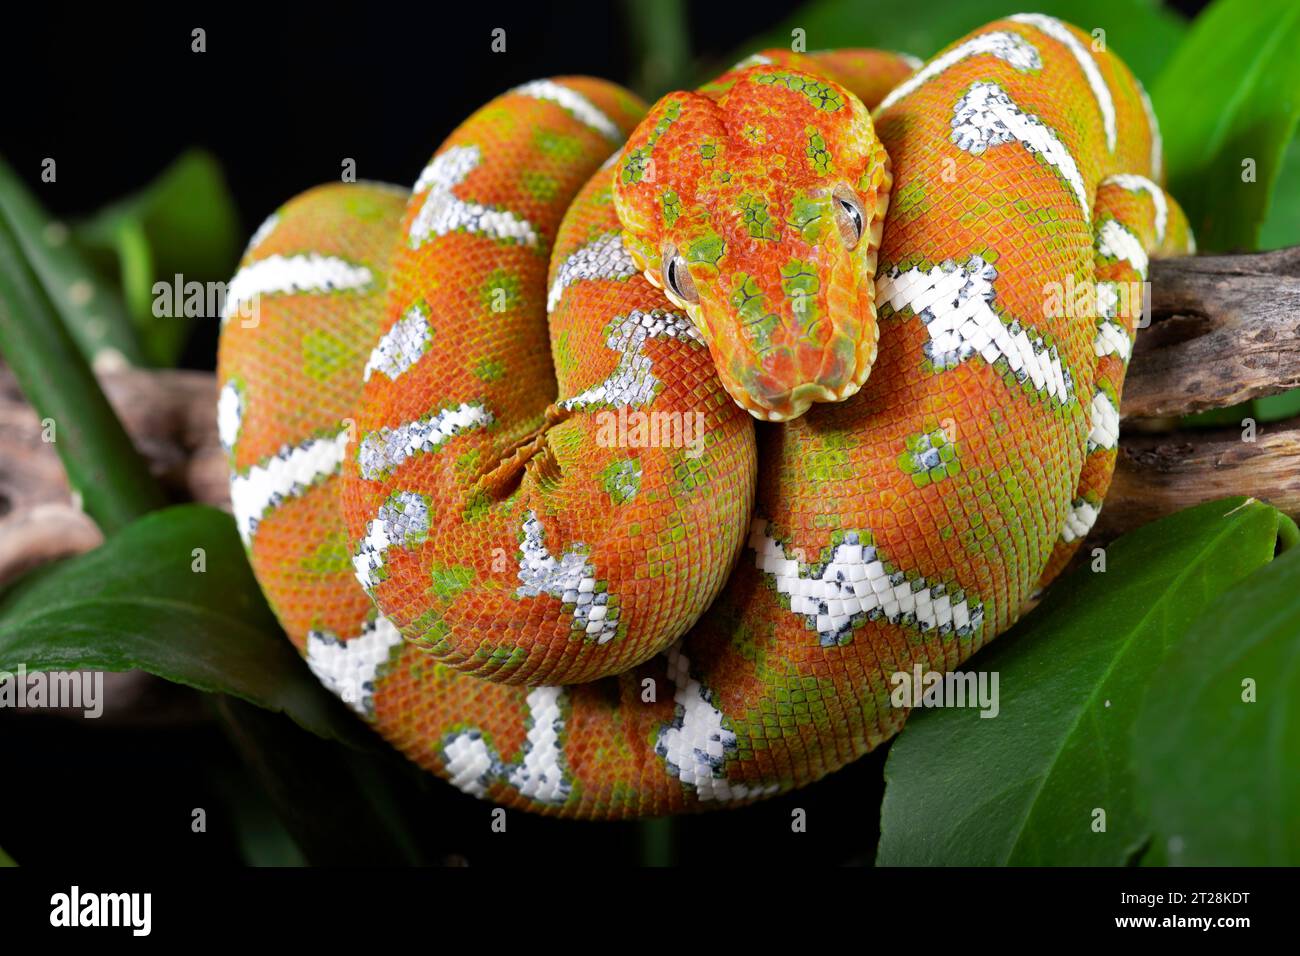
[{"x": 493, "y": 441}]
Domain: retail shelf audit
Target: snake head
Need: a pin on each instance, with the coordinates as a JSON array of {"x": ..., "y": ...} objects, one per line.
[{"x": 757, "y": 207}]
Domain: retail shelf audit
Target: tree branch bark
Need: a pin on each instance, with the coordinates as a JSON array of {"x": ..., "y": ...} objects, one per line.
[{"x": 1224, "y": 329}]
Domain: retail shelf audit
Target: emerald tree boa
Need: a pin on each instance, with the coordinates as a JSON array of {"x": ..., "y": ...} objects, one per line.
[{"x": 493, "y": 443}]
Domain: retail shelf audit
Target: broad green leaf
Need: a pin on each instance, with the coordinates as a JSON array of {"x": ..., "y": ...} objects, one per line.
[
  {"x": 1022, "y": 787},
  {"x": 184, "y": 224},
  {"x": 1220, "y": 775},
  {"x": 1142, "y": 32},
  {"x": 1228, "y": 102},
  {"x": 136, "y": 603},
  {"x": 6, "y": 859},
  {"x": 1281, "y": 227}
]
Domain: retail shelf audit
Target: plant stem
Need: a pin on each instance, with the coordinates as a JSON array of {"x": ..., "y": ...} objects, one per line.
[
  {"x": 659, "y": 35},
  {"x": 102, "y": 465}
]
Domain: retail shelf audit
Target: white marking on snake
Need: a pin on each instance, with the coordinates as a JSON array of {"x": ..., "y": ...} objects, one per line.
[
  {"x": 915, "y": 62},
  {"x": 987, "y": 116},
  {"x": 309, "y": 272},
  {"x": 855, "y": 585},
  {"x": 1057, "y": 30},
  {"x": 956, "y": 304},
  {"x": 571, "y": 578},
  {"x": 384, "y": 450},
  {"x": 349, "y": 669},
  {"x": 285, "y": 475},
  {"x": 1105, "y": 422},
  {"x": 1112, "y": 339},
  {"x": 265, "y": 229},
  {"x": 401, "y": 346},
  {"x": 230, "y": 415},
  {"x": 602, "y": 258},
  {"x": 1079, "y": 521},
  {"x": 443, "y": 212},
  {"x": 1011, "y": 48},
  {"x": 1153, "y": 125},
  {"x": 402, "y": 522},
  {"x": 581, "y": 108},
  {"x": 1117, "y": 241},
  {"x": 472, "y": 765},
  {"x": 633, "y": 381},
  {"x": 1140, "y": 184},
  {"x": 696, "y": 743},
  {"x": 541, "y": 774}
]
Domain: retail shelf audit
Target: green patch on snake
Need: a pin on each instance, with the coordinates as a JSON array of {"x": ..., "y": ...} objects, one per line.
[
  {"x": 566, "y": 363},
  {"x": 750, "y": 305},
  {"x": 430, "y": 631},
  {"x": 929, "y": 457},
  {"x": 507, "y": 657},
  {"x": 808, "y": 216},
  {"x": 500, "y": 291},
  {"x": 708, "y": 150},
  {"x": 672, "y": 207},
  {"x": 690, "y": 475},
  {"x": 819, "y": 157},
  {"x": 621, "y": 479},
  {"x": 325, "y": 355},
  {"x": 449, "y": 581},
  {"x": 819, "y": 94},
  {"x": 331, "y": 556},
  {"x": 800, "y": 282},
  {"x": 754, "y": 215},
  {"x": 707, "y": 249},
  {"x": 826, "y": 464},
  {"x": 503, "y": 117},
  {"x": 909, "y": 203},
  {"x": 487, "y": 370},
  {"x": 369, "y": 206},
  {"x": 559, "y": 146},
  {"x": 635, "y": 162},
  {"x": 478, "y": 504},
  {"x": 540, "y": 186},
  {"x": 795, "y": 701},
  {"x": 566, "y": 439}
]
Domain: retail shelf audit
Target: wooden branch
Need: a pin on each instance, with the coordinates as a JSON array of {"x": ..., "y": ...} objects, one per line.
[
  {"x": 169, "y": 415},
  {"x": 1158, "y": 474},
  {"x": 1224, "y": 329}
]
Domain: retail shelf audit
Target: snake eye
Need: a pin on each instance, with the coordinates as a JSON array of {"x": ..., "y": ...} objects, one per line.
[
  {"x": 677, "y": 279},
  {"x": 849, "y": 215}
]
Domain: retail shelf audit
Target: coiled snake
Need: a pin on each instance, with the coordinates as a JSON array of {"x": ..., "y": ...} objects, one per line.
[{"x": 493, "y": 446}]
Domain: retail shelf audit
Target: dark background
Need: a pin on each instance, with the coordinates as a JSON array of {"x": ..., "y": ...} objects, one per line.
[{"x": 281, "y": 98}]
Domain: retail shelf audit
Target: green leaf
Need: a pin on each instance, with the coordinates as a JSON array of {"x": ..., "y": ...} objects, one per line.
[
  {"x": 1221, "y": 776},
  {"x": 1281, "y": 227},
  {"x": 135, "y": 602},
  {"x": 1142, "y": 32},
  {"x": 360, "y": 822},
  {"x": 1021, "y": 788},
  {"x": 184, "y": 223},
  {"x": 6, "y": 859},
  {"x": 91, "y": 309},
  {"x": 1231, "y": 96},
  {"x": 102, "y": 464}
]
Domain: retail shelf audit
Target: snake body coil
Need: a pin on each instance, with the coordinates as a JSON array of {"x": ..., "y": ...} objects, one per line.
[{"x": 493, "y": 446}]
